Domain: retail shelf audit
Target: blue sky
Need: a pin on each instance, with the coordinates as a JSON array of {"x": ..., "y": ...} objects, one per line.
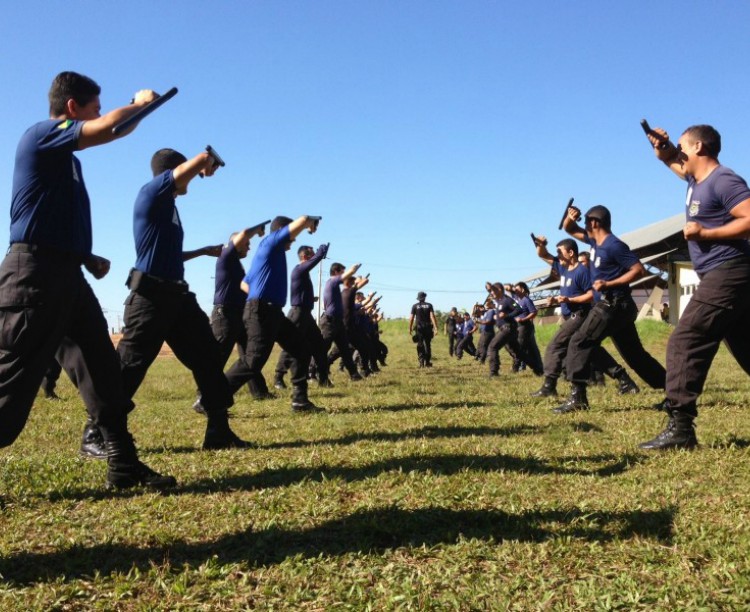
[{"x": 431, "y": 136}]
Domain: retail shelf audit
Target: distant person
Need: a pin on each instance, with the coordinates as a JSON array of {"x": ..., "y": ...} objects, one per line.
[
  {"x": 717, "y": 227},
  {"x": 664, "y": 312},
  {"x": 450, "y": 330},
  {"x": 423, "y": 325}
]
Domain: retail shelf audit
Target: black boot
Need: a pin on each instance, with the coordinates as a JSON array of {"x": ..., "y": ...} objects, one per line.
[
  {"x": 125, "y": 470},
  {"x": 219, "y": 435},
  {"x": 548, "y": 388},
  {"x": 577, "y": 401},
  {"x": 301, "y": 403},
  {"x": 279, "y": 383},
  {"x": 92, "y": 442},
  {"x": 679, "y": 433},
  {"x": 626, "y": 384}
]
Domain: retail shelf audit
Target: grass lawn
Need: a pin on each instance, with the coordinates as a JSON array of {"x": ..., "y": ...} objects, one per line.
[{"x": 419, "y": 489}]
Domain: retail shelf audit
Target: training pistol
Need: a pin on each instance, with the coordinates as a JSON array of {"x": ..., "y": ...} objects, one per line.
[
  {"x": 565, "y": 214},
  {"x": 663, "y": 142}
]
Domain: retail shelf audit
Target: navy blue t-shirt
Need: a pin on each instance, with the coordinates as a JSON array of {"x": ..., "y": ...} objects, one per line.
[
  {"x": 50, "y": 206},
  {"x": 572, "y": 284},
  {"x": 487, "y": 321},
  {"x": 526, "y": 306},
  {"x": 508, "y": 307},
  {"x": 301, "y": 290},
  {"x": 229, "y": 275},
  {"x": 267, "y": 274},
  {"x": 332, "y": 301},
  {"x": 157, "y": 229},
  {"x": 709, "y": 203},
  {"x": 610, "y": 260}
]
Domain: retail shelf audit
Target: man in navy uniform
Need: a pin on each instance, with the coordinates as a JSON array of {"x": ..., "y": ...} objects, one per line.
[
  {"x": 265, "y": 323},
  {"x": 44, "y": 297},
  {"x": 332, "y": 321},
  {"x": 426, "y": 327},
  {"x": 160, "y": 307},
  {"x": 302, "y": 299},
  {"x": 575, "y": 299},
  {"x": 614, "y": 267},
  {"x": 717, "y": 211}
]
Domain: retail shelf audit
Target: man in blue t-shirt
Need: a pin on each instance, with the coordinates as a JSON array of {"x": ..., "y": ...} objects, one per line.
[
  {"x": 466, "y": 337},
  {"x": 265, "y": 323},
  {"x": 45, "y": 300},
  {"x": 486, "y": 330},
  {"x": 160, "y": 307},
  {"x": 526, "y": 331},
  {"x": 717, "y": 213},
  {"x": 614, "y": 267}
]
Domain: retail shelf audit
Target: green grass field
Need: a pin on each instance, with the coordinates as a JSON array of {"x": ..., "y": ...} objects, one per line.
[{"x": 420, "y": 489}]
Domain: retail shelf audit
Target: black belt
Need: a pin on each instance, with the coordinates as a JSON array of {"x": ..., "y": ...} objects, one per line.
[
  {"x": 145, "y": 283},
  {"x": 265, "y": 303},
  {"x": 43, "y": 251}
]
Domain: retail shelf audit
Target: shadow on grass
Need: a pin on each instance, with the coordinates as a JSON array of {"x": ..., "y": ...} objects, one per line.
[
  {"x": 378, "y": 436},
  {"x": 367, "y": 531},
  {"x": 731, "y": 442},
  {"x": 415, "y": 406},
  {"x": 441, "y": 465}
]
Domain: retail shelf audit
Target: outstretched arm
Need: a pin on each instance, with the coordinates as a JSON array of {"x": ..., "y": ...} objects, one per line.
[{"x": 99, "y": 131}]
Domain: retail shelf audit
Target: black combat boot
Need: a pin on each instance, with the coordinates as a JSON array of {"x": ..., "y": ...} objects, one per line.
[
  {"x": 301, "y": 403},
  {"x": 125, "y": 470},
  {"x": 626, "y": 384},
  {"x": 279, "y": 383},
  {"x": 548, "y": 388},
  {"x": 577, "y": 400},
  {"x": 219, "y": 435},
  {"x": 679, "y": 433},
  {"x": 92, "y": 442}
]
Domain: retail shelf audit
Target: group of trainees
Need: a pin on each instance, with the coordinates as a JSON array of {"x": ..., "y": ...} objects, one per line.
[
  {"x": 50, "y": 312},
  {"x": 504, "y": 320},
  {"x": 596, "y": 302}
]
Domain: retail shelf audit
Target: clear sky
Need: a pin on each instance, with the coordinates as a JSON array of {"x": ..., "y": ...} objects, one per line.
[{"x": 431, "y": 136}]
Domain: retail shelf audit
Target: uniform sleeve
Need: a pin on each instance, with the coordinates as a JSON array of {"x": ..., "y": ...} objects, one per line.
[
  {"x": 732, "y": 190},
  {"x": 622, "y": 253},
  {"x": 62, "y": 135},
  {"x": 414, "y": 309}
]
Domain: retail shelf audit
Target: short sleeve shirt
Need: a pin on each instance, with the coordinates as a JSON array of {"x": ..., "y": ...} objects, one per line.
[
  {"x": 332, "y": 301},
  {"x": 573, "y": 283},
  {"x": 267, "y": 274},
  {"x": 157, "y": 229},
  {"x": 610, "y": 260},
  {"x": 421, "y": 312},
  {"x": 710, "y": 203},
  {"x": 50, "y": 206},
  {"x": 228, "y": 277}
]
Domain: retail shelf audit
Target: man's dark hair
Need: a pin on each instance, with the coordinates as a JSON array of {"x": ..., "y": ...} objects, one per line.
[
  {"x": 708, "y": 135},
  {"x": 337, "y": 268},
  {"x": 279, "y": 222},
  {"x": 523, "y": 286},
  {"x": 304, "y": 248},
  {"x": 569, "y": 245},
  {"x": 67, "y": 85},
  {"x": 585, "y": 254},
  {"x": 601, "y": 214},
  {"x": 166, "y": 159}
]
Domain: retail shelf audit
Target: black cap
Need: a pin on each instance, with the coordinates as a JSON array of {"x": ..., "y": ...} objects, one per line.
[
  {"x": 601, "y": 214},
  {"x": 421, "y": 295}
]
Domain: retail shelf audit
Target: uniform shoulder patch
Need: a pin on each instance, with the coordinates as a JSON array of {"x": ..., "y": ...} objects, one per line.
[{"x": 65, "y": 124}]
